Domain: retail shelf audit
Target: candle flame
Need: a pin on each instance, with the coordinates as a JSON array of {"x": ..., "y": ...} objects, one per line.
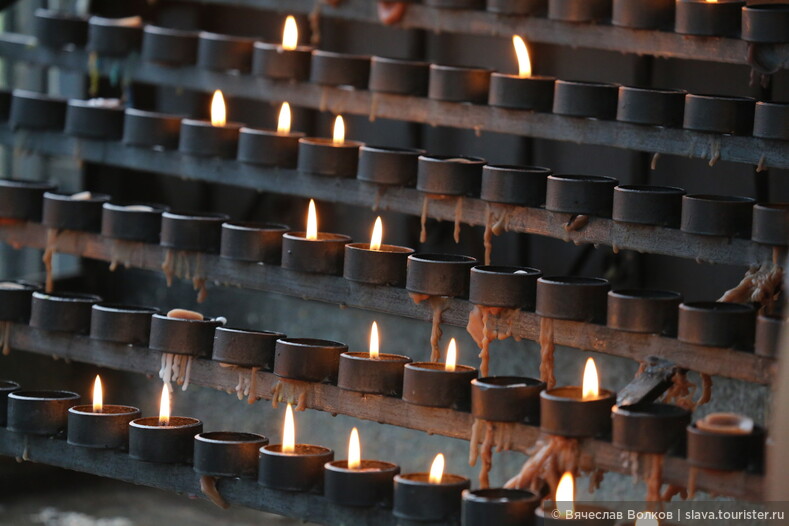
[
  {"x": 591, "y": 384},
  {"x": 98, "y": 396},
  {"x": 452, "y": 355},
  {"x": 283, "y": 124},
  {"x": 437, "y": 470},
  {"x": 289, "y": 432},
  {"x": 312, "y": 222},
  {"x": 290, "y": 34},
  {"x": 354, "y": 450},
  {"x": 378, "y": 234},
  {"x": 565, "y": 495},
  {"x": 218, "y": 112},
  {"x": 164, "y": 407},
  {"x": 339, "y": 131},
  {"x": 522, "y": 52},
  {"x": 712, "y": 1},
  {"x": 374, "y": 341},
  {"x": 644, "y": 520}
]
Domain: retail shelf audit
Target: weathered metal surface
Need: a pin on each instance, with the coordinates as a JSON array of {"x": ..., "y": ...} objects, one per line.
[{"x": 599, "y": 231}]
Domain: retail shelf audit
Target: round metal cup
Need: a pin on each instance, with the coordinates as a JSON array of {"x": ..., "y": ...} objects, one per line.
[
  {"x": 718, "y": 114},
  {"x": 699, "y": 17},
  {"x": 389, "y": 166},
  {"x": 324, "y": 255},
  {"x": 99, "y": 119},
  {"x": 439, "y": 274},
  {"x": 322, "y": 157},
  {"x": 149, "y": 129},
  {"x": 580, "y": 194},
  {"x": 564, "y": 412},
  {"x": 638, "y": 14},
  {"x": 717, "y": 324},
  {"x": 228, "y": 453},
  {"x": 268, "y": 148},
  {"x": 216, "y": 52},
  {"x": 648, "y": 205},
  {"x": 339, "y": 69},
  {"x": 765, "y": 23},
  {"x": 369, "y": 485},
  {"x": 447, "y": 175},
  {"x": 506, "y": 399},
  {"x": 771, "y": 120},
  {"x": 572, "y": 298},
  {"x": 499, "y": 506},
  {"x": 114, "y": 37},
  {"x": 594, "y": 100},
  {"x": 517, "y": 7},
  {"x": 430, "y": 384},
  {"x": 308, "y": 359},
  {"x": 417, "y": 499},
  {"x": 246, "y": 348},
  {"x": 723, "y": 451},
  {"x": 253, "y": 242},
  {"x": 771, "y": 224},
  {"x": 199, "y": 138},
  {"x": 514, "y": 185},
  {"x": 403, "y": 77},
  {"x": 108, "y": 429},
  {"x": 386, "y": 266},
  {"x": 521, "y": 93},
  {"x": 57, "y": 29},
  {"x": 37, "y": 111},
  {"x": 132, "y": 222},
  {"x": 23, "y": 200},
  {"x": 363, "y": 374},
  {"x": 650, "y": 428},
  {"x": 121, "y": 323},
  {"x": 192, "y": 231},
  {"x": 644, "y": 310},
  {"x": 459, "y": 84},
  {"x": 579, "y": 10},
  {"x": 183, "y": 336},
  {"x": 301, "y": 470},
  {"x": 171, "y": 47},
  {"x": 39, "y": 412},
  {"x": 62, "y": 312},
  {"x": 15, "y": 299},
  {"x": 507, "y": 287},
  {"x": 768, "y": 334},
  {"x": 651, "y": 106},
  {"x": 717, "y": 215},
  {"x": 170, "y": 444},
  {"x": 62, "y": 212},
  {"x": 272, "y": 61}
]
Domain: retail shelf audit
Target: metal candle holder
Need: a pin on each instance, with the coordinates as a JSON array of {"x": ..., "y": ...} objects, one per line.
[
  {"x": 430, "y": 384},
  {"x": 114, "y": 37},
  {"x": 717, "y": 215},
  {"x": 517, "y": 7},
  {"x": 64, "y": 212},
  {"x": 227, "y": 453},
  {"x": 40, "y": 412},
  {"x": 640, "y": 14},
  {"x": 648, "y": 205},
  {"x": 564, "y": 412},
  {"x": 268, "y": 147},
  {"x": 183, "y": 336},
  {"x": 321, "y": 156},
  {"x": 506, "y": 287},
  {"x": 23, "y": 200},
  {"x": 403, "y": 77},
  {"x": 62, "y": 312},
  {"x": 38, "y": 111},
  {"x": 58, "y": 29},
  {"x": 200, "y": 138},
  {"x": 15, "y": 299},
  {"x": 6, "y": 387},
  {"x": 417, "y": 499},
  {"x": 699, "y": 17},
  {"x": 216, "y": 52},
  {"x": 272, "y": 61},
  {"x": 121, "y": 323},
  {"x": 369, "y": 485},
  {"x": 339, "y": 69},
  {"x": 459, "y": 84},
  {"x": 579, "y": 10},
  {"x": 651, "y": 106},
  {"x": 172, "y": 47},
  {"x": 449, "y": 175},
  {"x": 717, "y": 324},
  {"x": 768, "y": 334},
  {"x": 650, "y": 428},
  {"x": 388, "y": 166},
  {"x": 301, "y": 470},
  {"x": 514, "y": 185},
  {"x": 132, "y": 222},
  {"x": 765, "y": 23},
  {"x": 644, "y": 310},
  {"x": 245, "y": 348},
  {"x": 591, "y": 100},
  {"x": 363, "y": 374},
  {"x": 439, "y": 274},
  {"x": 308, "y": 359},
  {"x": 253, "y": 242},
  {"x": 580, "y": 194},
  {"x": 521, "y": 93},
  {"x": 572, "y": 298},
  {"x": 771, "y": 120},
  {"x": 99, "y": 119},
  {"x": 150, "y": 129},
  {"x": 192, "y": 231},
  {"x": 386, "y": 266},
  {"x": 108, "y": 429},
  {"x": 725, "y": 451},
  {"x": 506, "y": 399},
  {"x": 719, "y": 114},
  {"x": 323, "y": 255},
  {"x": 169, "y": 444},
  {"x": 500, "y": 506}
]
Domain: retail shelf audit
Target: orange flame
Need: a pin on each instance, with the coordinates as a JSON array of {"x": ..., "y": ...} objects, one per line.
[
  {"x": 437, "y": 470},
  {"x": 290, "y": 34},
  {"x": 522, "y": 52},
  {"x": 591, "y": 384},
  {"x": 354, "y": 450},
  {"x": 98, "y": 396},
  {"x": 378, "y": 234},
  {"x": 374, "y": 347},
  {"x": 565, "y": 495},
  {"x": 283, "y": 124},
  {"x": 339, "y": 131},
  {"x": 289, "y": 432},
  {"x": 452, "y": 356},
  {"x": 164, "y": 407},
  {"x": 218, "y": 111},
  {"x": 312, "y": 222}
]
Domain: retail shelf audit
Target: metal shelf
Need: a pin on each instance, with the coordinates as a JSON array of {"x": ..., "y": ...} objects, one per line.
[
  {"x": 182, "y": 479},
  {"x": 599, "y": 231},
  {"x": 538, "y": 29},
  {"x": 332, "y": 289},
  {"x": 749, "y": 150},
  {"x": 331, "y": 399}
]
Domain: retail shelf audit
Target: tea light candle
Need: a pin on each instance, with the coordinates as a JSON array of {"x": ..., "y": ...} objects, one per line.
[
  {"x": 375, "y": 372},
  {"x": 100, "y": 425},
  {"x": 562, "y": 511},
  {"x": 375, "y": 262},
  {"x": 288, "y": 61},
  {"x": 335, "y": 157},
  {"x": 577, "y": 412},
  {"x": 214, "y": 138},
  {"x": 164, "y": 439},
  {"x": 357, "y": 482},
  {"x": 313, "y": 251},
  {"x": 720, "y": 18},
  {"x": 724, "y": 441},
  {"x": 290, "y": 466},
  {"x": 271, "y": 148},
  {"x": 439, "y": 384},
  {"x": 523, "y": 91},
  {"x": 433, "y": 496}
]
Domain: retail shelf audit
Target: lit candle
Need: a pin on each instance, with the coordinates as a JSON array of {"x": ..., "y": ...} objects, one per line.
[
  {"x": 163, "y": 439},
  {"x": 335, "y": 157},
  {"x": 285, "y": 60},
  {"x": 270, "y": 148},
  {"x": 291, "y": 466},
  {"x": 100, "y": 425},
  {"x": 439, "y": 384},
  {"x": 372, "y": 372},
  {"x": 564, "y": 511},
  {"x": 313, "y": 251},
  {"x": 583, "y": 411},
  {"x": 358, "y": 482},
  {"x": 433, "y": 496},
  {"x": 375, "y": 262},
  {"x": 215, "y": 137}
]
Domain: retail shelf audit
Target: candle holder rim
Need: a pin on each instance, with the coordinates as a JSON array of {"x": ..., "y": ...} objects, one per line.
[
  {"x": 588, "y": 83},
  {"x": 76, "y": 297},
  {"x": 765, "y": 7},
  {"x": 331, "y": 237},
  {"x": 717, "y": 307},
  {"x": 118, "y": 409},
  {"x": 170, "y": 31},
  {"x": 94, "y": 197},
  {"x": 402, "y": 61},
  {"x": 648, "y": 89},
  {"x": 242, "y": 437},
  {"x": 313, "y": 450},
  {"x": 773, "y": 103},
  {"x": 239, "y": 330},
  {"x": 525, "y": 168},
  {"x": 513, "y": 76},
  {"x": 326, "y": 141},
  {"x": 416, "y": 479},
  {"x": 599, "y": 179},
  {"x": 187, "y": 215},
  {"x": 27, "y": 286},
  {"x": 437, "y": 367},
  {"x": 123, "y": 207},
  {"x": 249, "y": 226},
  {"x": 393, "y": 150},
  {"x": 506, "y": 494},
  {"x": 189, "y": 121},
  {"x": 444, "y": 67},
  {"x": 714, "y": 198},
  {"x": 44, "y": 394},
  {"x": 212, "y": 35},
  {"x": 651, "y": 410},
  {"x": 757, "y": 430},
  {"x": 121, "y": 308},
  {"x": 772, "y": 206},
  {"x": 382, "y": 357},
  {"x": 307, "y": 343},
  {"x": 506, "y": 382},
  {"x": 57, "y": 14},
  {"x": 507, "y": 270},
  {"x": 337, "y": 54},
  {"x": 249, "y": 130},
  {"x": 386, "y": 249},
  {"x": 131, "y": 22},
  {"x": 12, "y": 182},
  {"x": 342, "y": 466},
  {"x": 112, "y": 103},
  {"x": 277, "y": 46},
  {"x": 574, "y": 281},
  {"x": 205, "y": 321},
  {"x": 649, "y": 189},
  {"x": 773, "y": 316},
  {"x": 37, "y": 95},
  {"x": 137, "y": 112},
  {"x": 555, "y": 394},
  {"x": 430, "y": 158},
  {"x": 728, "y": 98},
  {"x": 450, "y": 259},
  {"x": 187, "y": 421},
  {"x": 649, "y": 294},
  {"x": 6, "y": 385}
]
